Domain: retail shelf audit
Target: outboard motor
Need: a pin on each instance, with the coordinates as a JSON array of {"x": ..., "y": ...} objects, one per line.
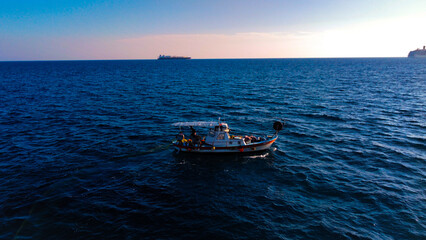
[{"x": 278, "y": 126}]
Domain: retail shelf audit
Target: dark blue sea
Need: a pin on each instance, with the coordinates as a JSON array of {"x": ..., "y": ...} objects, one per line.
[{"x": 85, "y": 149}]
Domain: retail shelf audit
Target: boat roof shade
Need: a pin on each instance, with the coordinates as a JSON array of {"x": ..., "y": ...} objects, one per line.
[{"x": 196, "y": 124}]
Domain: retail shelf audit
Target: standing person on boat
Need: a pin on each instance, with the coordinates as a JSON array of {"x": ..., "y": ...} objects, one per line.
[
  {"x": 180, "y": 137},
  {"x": 193, "y": 132},
  {"x": 196, "y": 139}
]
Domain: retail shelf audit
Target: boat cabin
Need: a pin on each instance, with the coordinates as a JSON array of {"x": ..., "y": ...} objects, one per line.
[{"x": 219, "y": 137}]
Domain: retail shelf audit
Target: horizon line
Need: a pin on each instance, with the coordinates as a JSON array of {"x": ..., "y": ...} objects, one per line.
[{"x": 147, "y": 59}]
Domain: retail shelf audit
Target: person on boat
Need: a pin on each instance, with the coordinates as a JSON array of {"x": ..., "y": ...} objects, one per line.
[
  {"x": 180, "y": 137},
  {"x": 190, "y": 142},
  {"x": 196, "y": 139},
  {"x": 193, "y": 131}
]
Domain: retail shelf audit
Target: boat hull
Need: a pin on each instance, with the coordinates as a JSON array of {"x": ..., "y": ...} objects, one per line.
[{"x": 250, "y": 148}]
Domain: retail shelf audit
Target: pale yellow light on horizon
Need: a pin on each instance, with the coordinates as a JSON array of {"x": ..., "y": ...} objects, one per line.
[{"x": 384, "y": 38}]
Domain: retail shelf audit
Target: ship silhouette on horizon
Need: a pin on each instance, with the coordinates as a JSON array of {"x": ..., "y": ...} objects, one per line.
[{"x": 167, "y": 57}]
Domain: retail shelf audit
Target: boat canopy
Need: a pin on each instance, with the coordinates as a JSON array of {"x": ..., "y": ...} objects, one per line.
[{"x": 195, "y": 124}]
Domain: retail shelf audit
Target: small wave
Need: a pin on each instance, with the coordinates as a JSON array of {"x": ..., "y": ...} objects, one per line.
[
  {"x": 399, "y": 150},
  {"x": 302, "y": 135},
  {"x": 324, "y": 116},
  {"x": 319, "y": 106},
  {"x": 417, "y": 137},
  {"x": 158, "y": 148},
  {"x": 137, "y": 137},
  {"x": 239, "y": 113},
  {"x": 107, "y": 126}
]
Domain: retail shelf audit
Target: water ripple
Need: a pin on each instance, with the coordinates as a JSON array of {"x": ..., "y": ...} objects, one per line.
[{"x": 86, "y": 154}]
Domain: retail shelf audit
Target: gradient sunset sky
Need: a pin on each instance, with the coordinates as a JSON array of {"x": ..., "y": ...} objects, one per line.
[{"x": 126, "y": 29}]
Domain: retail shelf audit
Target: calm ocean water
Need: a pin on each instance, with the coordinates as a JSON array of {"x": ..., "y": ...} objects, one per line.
[{"x": 85, "y": 150}]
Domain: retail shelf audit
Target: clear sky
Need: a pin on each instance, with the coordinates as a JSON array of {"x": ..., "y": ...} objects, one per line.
[{"x": 130, "y": 29}]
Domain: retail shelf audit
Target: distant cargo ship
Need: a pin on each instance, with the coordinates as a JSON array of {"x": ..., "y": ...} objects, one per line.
[
  {"x": 419, "y": 53},
  {"x": 165, "y": 57}
]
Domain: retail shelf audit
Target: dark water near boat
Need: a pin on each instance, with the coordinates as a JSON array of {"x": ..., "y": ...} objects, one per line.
[{"x": 85, "y": 150}]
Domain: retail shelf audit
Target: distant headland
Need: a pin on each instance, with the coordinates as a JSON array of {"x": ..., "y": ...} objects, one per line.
[{"x": 418, "y": 53}]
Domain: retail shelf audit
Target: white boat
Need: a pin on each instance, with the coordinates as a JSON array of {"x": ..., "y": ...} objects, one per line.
[{"x": 219, "y": 139}]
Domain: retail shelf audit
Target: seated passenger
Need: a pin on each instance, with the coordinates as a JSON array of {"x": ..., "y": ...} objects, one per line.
[
  {"x": 198, "y": 140},
  {"x": 180, "y": 137}
]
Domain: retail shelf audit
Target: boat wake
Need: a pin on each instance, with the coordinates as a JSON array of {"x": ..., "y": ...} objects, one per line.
[
  {"x": 158, "y": 148},
  {"x": 257, "y": 156}
]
